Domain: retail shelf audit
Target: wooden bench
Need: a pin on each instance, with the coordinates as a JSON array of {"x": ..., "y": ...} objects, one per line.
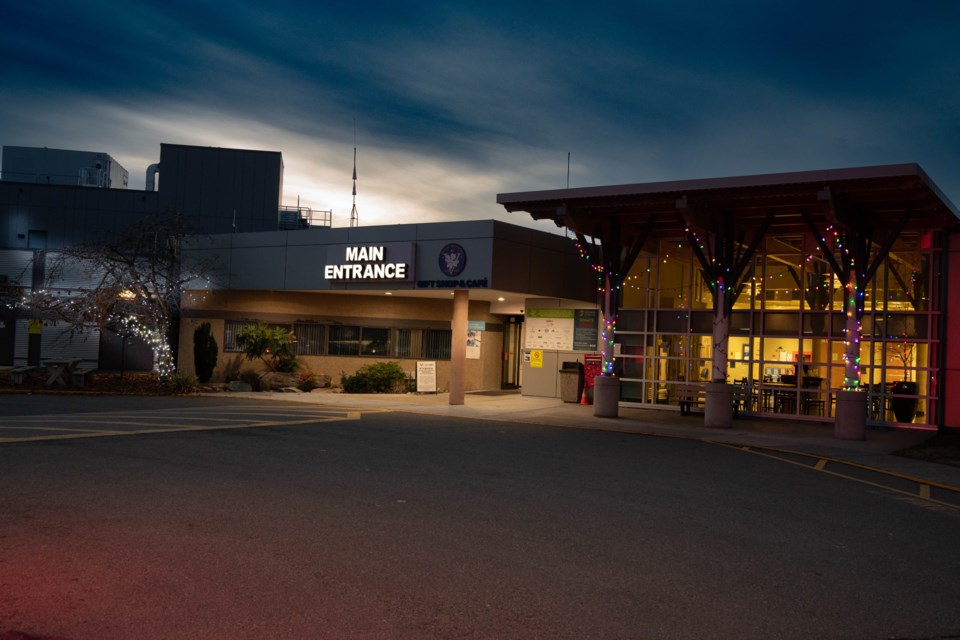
[
  {"x": 690, "y": 394},
  {"x": 80, "y": 375},
  {"x": 16, "y": 374}
]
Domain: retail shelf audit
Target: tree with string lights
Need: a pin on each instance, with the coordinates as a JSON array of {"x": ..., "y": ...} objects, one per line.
[{"x": 130, "y": 283}]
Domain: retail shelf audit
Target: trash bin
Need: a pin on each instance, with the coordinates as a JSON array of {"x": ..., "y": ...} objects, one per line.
[{"x": 571, "y": 381}]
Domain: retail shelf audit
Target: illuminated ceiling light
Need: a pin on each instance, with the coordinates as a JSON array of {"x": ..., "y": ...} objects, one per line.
[
  {"x": 388, "y": 293},
  {"x": 501, "y": 299}
]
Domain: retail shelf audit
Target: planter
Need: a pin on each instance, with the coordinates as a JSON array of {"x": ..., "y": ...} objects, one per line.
[
  {"x": 904, "y": 409},
  {"x": 606, "y": 396},
  {"x": 718, "y": 410},
  {"x": 850, "y": 421}
]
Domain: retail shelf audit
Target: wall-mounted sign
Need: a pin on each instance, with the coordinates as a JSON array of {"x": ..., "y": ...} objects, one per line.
[
  {"x": 562, "y": 329},
  {"x": 480, "y": 283},
  {"x": 453, "y": 260},
  {"x": 391, "y": 261},
  {"x": 536, "y": 359},
  {"x": 585, "y": 323}
]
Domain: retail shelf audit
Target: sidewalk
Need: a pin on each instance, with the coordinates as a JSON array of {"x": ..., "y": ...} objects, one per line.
[{"x": 803, "y": 437}]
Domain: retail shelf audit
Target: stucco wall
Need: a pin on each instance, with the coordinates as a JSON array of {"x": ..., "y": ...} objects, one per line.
[{"x": 289, "y": 307}]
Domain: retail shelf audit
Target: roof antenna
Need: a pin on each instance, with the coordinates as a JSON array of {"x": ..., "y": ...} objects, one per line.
[
  {"x": 354, "y": 214},
  {"x": 568, "y": 169}
]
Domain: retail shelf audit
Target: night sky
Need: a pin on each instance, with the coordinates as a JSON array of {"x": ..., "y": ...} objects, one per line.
[{"x": 449, "y": 104}]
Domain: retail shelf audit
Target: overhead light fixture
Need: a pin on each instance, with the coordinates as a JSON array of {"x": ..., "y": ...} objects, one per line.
[
  {"x": 501, "y": 299},
  {"x": 388, "y": 293}
]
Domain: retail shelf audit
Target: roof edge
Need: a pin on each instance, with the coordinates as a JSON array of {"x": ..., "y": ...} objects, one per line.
[{"x": 731, "y": 182}]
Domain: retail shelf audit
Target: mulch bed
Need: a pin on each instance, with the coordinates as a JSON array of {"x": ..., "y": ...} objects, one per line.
[{"x": 105, "y": 382}]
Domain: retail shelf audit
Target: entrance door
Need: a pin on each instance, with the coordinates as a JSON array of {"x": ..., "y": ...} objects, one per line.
[{"x": 512, "y": 330}]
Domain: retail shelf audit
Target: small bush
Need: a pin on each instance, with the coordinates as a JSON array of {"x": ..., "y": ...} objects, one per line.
[
  {"x": 379, "y": 377},
  {"x": 308, "y": 381},
  {"x": 182, "y": 382}
]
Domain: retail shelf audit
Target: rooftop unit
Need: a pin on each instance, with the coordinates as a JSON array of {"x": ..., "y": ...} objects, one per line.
[
  {"x": 61, "y": 166},
  {"x": 293, "y": 218}
]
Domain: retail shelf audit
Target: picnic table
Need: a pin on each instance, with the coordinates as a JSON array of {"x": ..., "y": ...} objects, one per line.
[{"x": 60, "y": 370}]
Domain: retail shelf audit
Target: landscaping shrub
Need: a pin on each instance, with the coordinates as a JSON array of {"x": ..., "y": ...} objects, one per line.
[
  {"x": 275, "y": 346},
  {"x": 182, "y": 382},
  {"x": 379, "y": 377},
  {"x": 308, "y": 381}
]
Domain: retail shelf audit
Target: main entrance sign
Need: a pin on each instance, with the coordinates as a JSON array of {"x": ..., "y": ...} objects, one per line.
[{"x": 391, "y": 261}]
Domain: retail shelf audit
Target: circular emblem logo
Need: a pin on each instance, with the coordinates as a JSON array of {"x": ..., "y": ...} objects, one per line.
[{"x": 453, "y": 259}]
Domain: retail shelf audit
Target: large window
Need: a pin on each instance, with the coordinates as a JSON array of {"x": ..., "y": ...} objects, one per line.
[
  {"x": 374, "y": 341},
  {"x": 344, "y": 340},
  {"x": 787, "y": 332},
  {"x": 436, "y": 344},
  {"x": 314, "y": 339},
  {"x": 230, "y": 330},
  {"x": 309, "y": 339}
]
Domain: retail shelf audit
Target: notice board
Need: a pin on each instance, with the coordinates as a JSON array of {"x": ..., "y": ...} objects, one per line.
[
  {"x": 426, "y": 376},
  {"x": 562, "y": 329}
]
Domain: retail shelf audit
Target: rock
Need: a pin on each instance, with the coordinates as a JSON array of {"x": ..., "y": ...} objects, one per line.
[{"x": 279, "y": 380}]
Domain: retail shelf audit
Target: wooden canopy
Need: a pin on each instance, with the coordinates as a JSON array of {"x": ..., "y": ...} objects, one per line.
[{"x": 880, "y": 197}]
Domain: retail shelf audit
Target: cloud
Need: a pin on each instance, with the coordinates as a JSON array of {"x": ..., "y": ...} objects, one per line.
[{"x": 449, "y": 106}]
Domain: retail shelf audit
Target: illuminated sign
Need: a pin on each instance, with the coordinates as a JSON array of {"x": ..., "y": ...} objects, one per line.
[{"x": 387, "y": 261}]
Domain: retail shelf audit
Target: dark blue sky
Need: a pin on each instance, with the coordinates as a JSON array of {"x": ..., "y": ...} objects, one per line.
[{"x": 450, "y": 104}]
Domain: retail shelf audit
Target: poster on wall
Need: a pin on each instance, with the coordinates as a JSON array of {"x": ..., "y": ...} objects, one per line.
[
  {"x": 585, "y": 324},
  {"x": 562, "y": 329},
  {"x": 536, "y": 359},
  {"x": 549, "y": 329},
  {"x": 474, "y": 339}
]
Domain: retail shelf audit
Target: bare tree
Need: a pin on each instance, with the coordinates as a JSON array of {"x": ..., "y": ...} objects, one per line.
[{"x": 130, "y": 283}]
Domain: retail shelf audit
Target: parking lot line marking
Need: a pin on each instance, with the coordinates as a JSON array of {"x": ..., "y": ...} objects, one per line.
[
  {"x": 153, "y": 428},
  {"x": 67, "y": 429}
]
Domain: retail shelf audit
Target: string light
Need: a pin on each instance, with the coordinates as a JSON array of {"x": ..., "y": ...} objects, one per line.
[{"x": 132, "y": 326}]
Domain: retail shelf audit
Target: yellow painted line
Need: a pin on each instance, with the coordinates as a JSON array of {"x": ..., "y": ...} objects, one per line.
[
  {"x": 93, "y": 417},
  {"x": 925, "y": 491},
  {"x": 128, "y": 423},
  {"x": 136, "y": 420},
  {"x": 70, "y": 429},
  {"x": 821, "y": 464},
  {"x": 857, "y": 465},
  {"x": 860, "y": 480},
  {"x": 133, "y": 432}
]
